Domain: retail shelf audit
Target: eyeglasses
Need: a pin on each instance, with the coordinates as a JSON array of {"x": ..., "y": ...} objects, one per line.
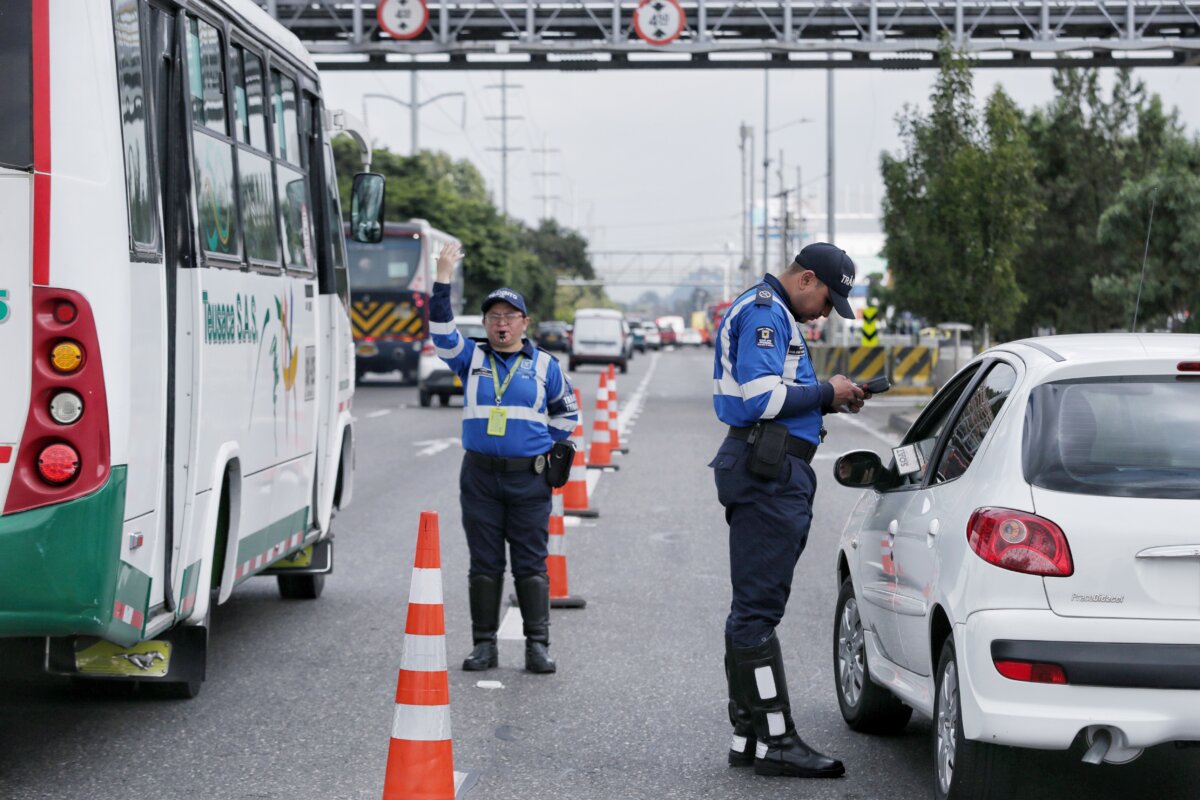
[{"x": 511, "y": 316}]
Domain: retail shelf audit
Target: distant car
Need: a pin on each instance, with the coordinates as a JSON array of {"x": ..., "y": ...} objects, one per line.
[
  {"x": 690, "y": 337},
  {"x": 667, "y": 334},
  {"x": 600, "y": 336},
  {"x": 552, "y": 335},
  {"x": 652, "y": 336},
  {"x": 433, "y": 376},
  {"x": 638, "y": 332},
  {"x": 1023, "y": 571}
]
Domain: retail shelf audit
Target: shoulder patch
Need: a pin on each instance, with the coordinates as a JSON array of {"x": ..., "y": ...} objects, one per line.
[
  {"x": 763, "y": 296},
  {"x": 765, "y": 336}
]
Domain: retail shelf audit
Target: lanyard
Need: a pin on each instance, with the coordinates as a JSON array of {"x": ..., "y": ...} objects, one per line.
[{"x": 501, "y": 387}]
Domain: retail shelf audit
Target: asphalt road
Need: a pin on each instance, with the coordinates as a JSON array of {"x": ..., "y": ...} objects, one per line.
[{"x": 300, "y": 694}]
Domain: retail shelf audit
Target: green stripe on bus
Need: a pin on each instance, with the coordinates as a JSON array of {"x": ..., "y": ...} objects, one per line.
[{"x": 261, "y": 541}]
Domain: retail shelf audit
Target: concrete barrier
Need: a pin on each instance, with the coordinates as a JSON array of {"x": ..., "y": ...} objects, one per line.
[{"x": 912, "y": 370}]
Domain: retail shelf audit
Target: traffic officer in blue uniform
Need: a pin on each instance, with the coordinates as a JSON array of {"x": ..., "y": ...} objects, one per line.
[
  {"x": 516, "y": 404},
  {"x": 766, "y": 391}
]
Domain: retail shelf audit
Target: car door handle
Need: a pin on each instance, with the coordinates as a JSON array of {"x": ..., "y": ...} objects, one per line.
[
  {"x": 935, "y": 525},
  {"x": 893, "y": 526}
]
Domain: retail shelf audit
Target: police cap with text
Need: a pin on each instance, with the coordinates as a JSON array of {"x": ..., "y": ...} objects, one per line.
[{"x": 833, "y": 268}]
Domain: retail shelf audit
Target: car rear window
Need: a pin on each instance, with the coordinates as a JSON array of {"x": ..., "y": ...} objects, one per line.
[
  {"x": 598, "y": 329},
  {"x": 1118, "y": 437}
]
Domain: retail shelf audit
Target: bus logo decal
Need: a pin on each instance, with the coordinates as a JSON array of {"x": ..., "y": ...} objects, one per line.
[
  {"x": 3, "y": 306},
  {"x": 231, "y": 323}
]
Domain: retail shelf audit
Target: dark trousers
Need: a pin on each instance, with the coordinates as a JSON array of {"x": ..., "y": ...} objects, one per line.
[
  {"x": 505, "y": 506},
  {"x": 768, "y": 528}
]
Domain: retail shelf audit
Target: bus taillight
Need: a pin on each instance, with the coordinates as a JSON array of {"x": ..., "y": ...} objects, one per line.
[
  {"x": 58, "y": 464},
  {"x": 55, "y": 463}
]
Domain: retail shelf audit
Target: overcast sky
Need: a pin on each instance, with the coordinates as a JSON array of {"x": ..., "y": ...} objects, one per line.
[{"x": 649, "y": 159}]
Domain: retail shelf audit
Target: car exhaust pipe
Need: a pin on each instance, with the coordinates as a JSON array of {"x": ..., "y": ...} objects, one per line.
[{"x": 1108, "y": 745}]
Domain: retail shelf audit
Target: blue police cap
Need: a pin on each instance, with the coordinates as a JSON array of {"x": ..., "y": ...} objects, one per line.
[
  {"x": 514, "y": 299},
  {"x": 833, "y": 268}
]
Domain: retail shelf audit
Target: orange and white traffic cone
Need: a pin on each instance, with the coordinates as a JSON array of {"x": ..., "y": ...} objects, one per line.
[
  {"x": 601, "y": 455},
  {"x": 575, "y": 493},
  {"x": 556, "y": 561},
  {"x": 420, "y": 764},
  {"x": 614, "y": 416}
]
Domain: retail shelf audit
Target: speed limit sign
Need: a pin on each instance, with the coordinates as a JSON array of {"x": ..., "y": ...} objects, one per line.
[
  {"x": 403, "y": 19},
  {"x": 658, "y": 21}
]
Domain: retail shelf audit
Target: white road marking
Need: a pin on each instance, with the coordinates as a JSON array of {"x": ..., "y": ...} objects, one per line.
[
  {"x": 513, "y": 626},
  {"x": 383, "y": 412},
  {"x": 434, "y": 446},
  {"x": 634, "y": 405}
]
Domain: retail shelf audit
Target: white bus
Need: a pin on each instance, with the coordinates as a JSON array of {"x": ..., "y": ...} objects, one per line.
[{"x": 174, "y": 324}]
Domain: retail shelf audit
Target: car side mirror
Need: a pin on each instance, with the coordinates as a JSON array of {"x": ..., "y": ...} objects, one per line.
[
  {"x": 858, "y": 469},
  {"x": 366, "y": 208}
]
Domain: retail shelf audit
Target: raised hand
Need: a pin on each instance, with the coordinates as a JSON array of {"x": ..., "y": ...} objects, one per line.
[{"x": 450, "y": 255}]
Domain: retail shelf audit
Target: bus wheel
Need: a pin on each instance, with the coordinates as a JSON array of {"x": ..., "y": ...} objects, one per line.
[
  {"x": 426, "y": 398},
  {"x": 300, "y": 587},
  {"x": 175, "y": 690}
]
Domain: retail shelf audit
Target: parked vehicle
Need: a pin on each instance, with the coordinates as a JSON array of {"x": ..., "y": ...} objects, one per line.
[
  {"x": 552, "y": 335},
  {"x": 1023, "y": 570},
  {"x": 600, "y": 336},
  {"x": 433, "y": 376}
]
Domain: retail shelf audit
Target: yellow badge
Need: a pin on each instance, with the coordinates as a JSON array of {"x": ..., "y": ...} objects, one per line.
[{"x": 497, "y": 421}]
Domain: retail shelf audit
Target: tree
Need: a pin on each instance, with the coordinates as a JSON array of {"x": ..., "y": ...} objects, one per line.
[
  {"x": 1086, "y": 147},
  {"x": 959, "y": 204},
  {"x": 1170, "y": 296},
  {"x": 560, "y": 248}
]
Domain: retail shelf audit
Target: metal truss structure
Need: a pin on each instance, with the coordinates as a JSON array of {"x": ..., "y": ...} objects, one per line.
[
  {"x": 754, "y": 34},
  {"x": 694, "y": 269}
]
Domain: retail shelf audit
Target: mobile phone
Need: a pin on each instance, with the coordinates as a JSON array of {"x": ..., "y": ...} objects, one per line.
[{"x": 876, "y": 385}]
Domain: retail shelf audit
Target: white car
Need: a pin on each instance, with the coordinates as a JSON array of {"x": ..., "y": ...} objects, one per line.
[
  {"x": 690, "y": 337},
  {"x": 1026, "y": 571},
  {"x": 653, "y": 337},
  {"x": 433, "y": 376}
]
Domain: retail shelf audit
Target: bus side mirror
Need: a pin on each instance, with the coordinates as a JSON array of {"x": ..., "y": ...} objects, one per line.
[{"x": 366, "y": 208}]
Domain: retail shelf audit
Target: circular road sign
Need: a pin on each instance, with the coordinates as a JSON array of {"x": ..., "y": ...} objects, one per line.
[
  {"x": 403, "y": 19},
  {"x": 658, "y": 22}
]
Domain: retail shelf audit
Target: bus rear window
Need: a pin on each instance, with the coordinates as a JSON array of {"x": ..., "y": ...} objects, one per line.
[
  {"x": 16, "y": 90},
  {"x": 389, "y": 264},
  {"x": 1116, "y": 436}
]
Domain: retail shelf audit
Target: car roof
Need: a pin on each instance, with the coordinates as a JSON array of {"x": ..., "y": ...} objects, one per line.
[
  {"x": 469, "y": 319},
  {"x": 1087, "y": 348}
]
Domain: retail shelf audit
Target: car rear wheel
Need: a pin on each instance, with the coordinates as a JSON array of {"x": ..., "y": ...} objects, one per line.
[
  {"x": 624, "y": 365},
  {"x": 443, "y": 400},
  {"x": 426, "y": 398},
  {"x": 571, "y": 365},
  {"x": 866, "y": 706},
  {"x": 963, "y": 769}
]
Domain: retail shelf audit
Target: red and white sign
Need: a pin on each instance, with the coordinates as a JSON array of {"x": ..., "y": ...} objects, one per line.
[
  {"x": 658, "y": 22},
  {"x": 403, "y": 19}
]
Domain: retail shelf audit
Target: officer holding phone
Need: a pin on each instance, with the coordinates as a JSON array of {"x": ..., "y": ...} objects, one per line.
[
  {"x": 766, "y": 391},
  {"x": 517, "y": 404}
]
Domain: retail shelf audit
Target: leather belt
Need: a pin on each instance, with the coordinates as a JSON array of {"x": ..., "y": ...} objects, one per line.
[
  {"x": 496, "y": 464},
  {"x": 800, "y": 448}
]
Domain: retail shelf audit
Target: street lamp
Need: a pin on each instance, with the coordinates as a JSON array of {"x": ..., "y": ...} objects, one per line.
[{"x": 414, "y": 106}]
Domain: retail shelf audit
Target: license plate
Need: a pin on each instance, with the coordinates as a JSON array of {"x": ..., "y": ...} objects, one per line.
[{"x": 367, "y": 349}]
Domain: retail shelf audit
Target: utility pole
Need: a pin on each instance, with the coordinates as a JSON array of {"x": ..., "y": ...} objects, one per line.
[
  {"x": 750, "y": 215},
  {"x": 766, "y": 163},
  {"x": 545, "y": 150},
  {"x": 414, "y": 108},
  {"x": 504, "y": 149},
  {"x": 783, "y": 215},
  {"x": 744, "y": 132},
  {"x": 831, "y": 192}
]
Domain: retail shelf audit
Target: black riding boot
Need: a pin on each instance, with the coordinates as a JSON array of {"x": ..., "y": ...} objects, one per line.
[
  {"x": 533, "y": 595},
  {"x": 780, "y": 750},
  {"x": 485, "y": 593},
  {"x": 741, "y": 748}
]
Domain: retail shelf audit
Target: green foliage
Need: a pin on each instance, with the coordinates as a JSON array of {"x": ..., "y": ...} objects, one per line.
[
  {"x": 1170, "y": 296},
  {"x": 453, "y": 197},
  {"x": 1086, "y": 148},
  {"x": 959, "y": 204}
]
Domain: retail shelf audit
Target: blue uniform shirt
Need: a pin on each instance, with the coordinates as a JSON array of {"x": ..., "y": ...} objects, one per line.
[
  {"x": 762, "y": 369},
  {"x": 539, "y": 402}
]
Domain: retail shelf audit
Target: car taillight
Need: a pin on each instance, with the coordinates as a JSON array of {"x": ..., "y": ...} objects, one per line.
[
  {"x": 1019, "y": 541},
  {"x": 64, "y": 451},
  {"x": 1031, "y": 671},
  {"x": 1189, "y": 366},
  {"x": 429, "y": 350}
]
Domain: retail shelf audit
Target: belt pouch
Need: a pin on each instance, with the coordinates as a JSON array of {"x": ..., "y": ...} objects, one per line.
[
  {"x": 768, "y": 450},
  {"x": 558, "y": 472}
]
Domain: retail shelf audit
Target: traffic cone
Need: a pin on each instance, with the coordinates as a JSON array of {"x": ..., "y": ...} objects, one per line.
[
  {"x": 601, "y": 455},
  {"x": 614, "y": 416},
  {"x": 575, "y": 494},
  {"x": 556, "y": 561},
  {"x": 420, "y": 764}
]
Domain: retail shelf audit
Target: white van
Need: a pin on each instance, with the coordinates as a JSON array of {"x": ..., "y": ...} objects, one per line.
[{"x": 600, "y": 336}]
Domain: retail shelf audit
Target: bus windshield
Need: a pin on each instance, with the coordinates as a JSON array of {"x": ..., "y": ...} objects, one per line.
[{"x": 390, "y": 264}]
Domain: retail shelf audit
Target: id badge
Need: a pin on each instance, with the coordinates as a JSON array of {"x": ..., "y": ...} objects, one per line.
[{"x": 497, "y": 421}]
